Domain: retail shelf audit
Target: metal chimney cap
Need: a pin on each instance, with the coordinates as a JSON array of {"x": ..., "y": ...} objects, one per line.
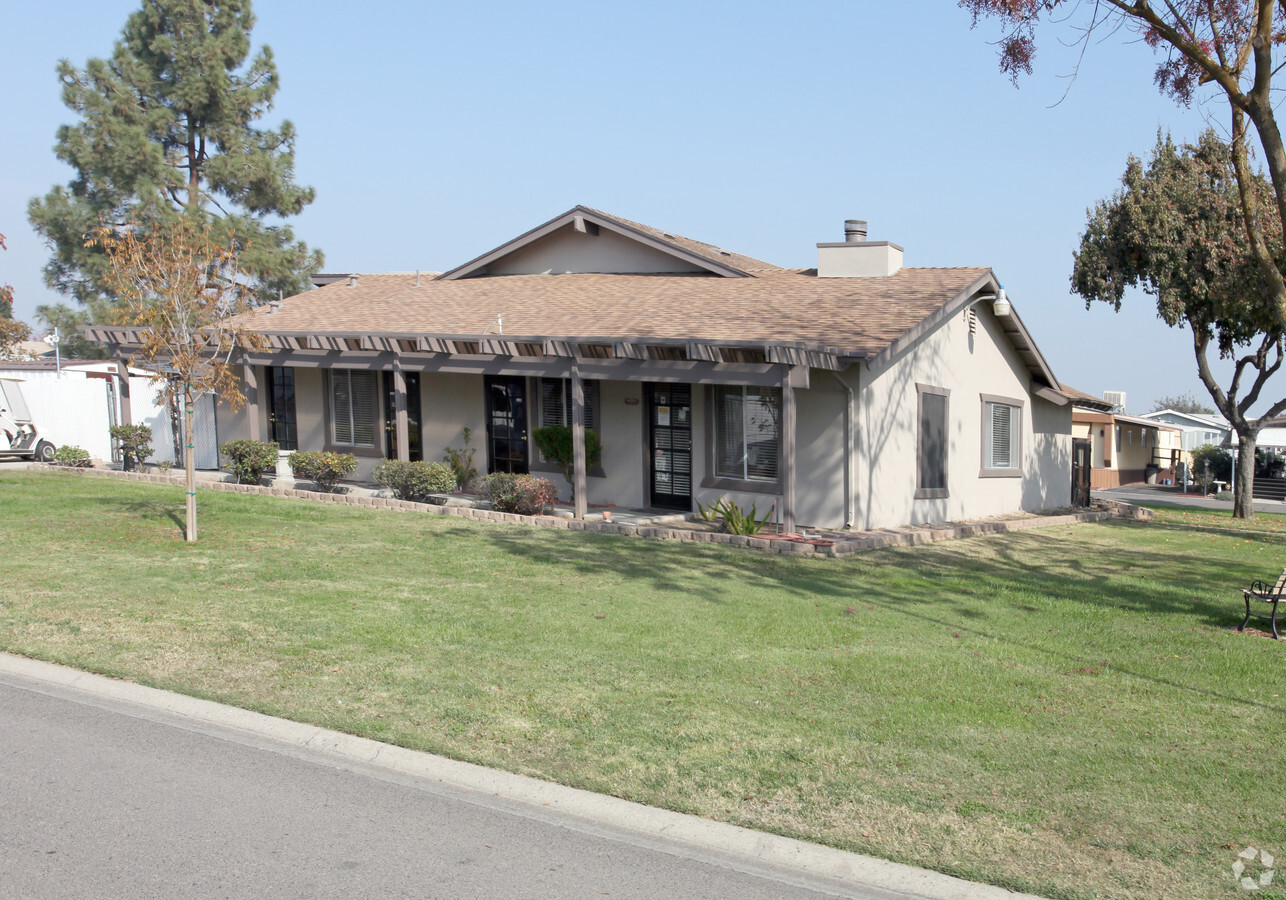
[{"x": 854, "y": 230}]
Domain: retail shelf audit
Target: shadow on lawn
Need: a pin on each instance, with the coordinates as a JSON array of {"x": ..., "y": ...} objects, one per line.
[
  {"x": 933, "y": 584},
  {"x": 143, "y": 508}
]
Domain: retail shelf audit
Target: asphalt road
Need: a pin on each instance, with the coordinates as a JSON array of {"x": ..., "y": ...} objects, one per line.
[{"x": 99, "y": 801}]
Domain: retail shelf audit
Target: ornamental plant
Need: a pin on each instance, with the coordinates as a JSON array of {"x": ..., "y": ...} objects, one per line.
[
  {"x": 135, "y": 443},
  {"x": 523, "y": 494},
  {"x": 71, "y": 456},
  {"x": 248, "y": 460},
  {"x": 323, "y": 468},
  {"x": 555, "y": 444},
  {"x": 460, "y": 459},
  {"x": 417, "y": 480}
]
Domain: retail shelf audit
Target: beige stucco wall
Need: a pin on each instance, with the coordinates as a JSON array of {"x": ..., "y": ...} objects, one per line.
[
  {"x": 567, "y": 250},
  {"x": 969, "y": 366}
]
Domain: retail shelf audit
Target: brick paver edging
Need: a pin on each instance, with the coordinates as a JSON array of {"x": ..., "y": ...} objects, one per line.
[{"x": 859, "y": 543}]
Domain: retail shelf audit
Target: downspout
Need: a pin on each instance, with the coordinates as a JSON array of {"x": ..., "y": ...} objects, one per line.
[{"x": 850, "y": 475}]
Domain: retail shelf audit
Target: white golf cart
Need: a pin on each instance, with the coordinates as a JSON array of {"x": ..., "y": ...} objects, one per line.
[{"x": 18, "y": 436}]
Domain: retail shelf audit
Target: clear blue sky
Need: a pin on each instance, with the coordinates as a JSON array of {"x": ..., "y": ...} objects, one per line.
[{"x": 433, "y": 132}]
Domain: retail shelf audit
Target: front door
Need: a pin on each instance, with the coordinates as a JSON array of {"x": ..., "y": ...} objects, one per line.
[
  {"x": 506, "y": 424},
  {"x": 281, "y": 407},
  {"x": 669, "y": 410},
  {"x": 412, "y": 416},
  {"x": 1080, "y": 473}
]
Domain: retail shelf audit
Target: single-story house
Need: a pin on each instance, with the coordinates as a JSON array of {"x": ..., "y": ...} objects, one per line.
[
  {"x": 1198, "y": 429},
  {"x": 859, "y": 393},
  {"x": 1124, "y": 449}
]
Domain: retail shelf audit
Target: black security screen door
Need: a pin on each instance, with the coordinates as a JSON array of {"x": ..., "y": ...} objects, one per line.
[
  {"x": 281, "y": 408},
  {"x": 506, "y": 424},
  {"x": 412, "y": 416},
  {"x": 1080, "y": 473},
  {"x": 669, "y": 410}
]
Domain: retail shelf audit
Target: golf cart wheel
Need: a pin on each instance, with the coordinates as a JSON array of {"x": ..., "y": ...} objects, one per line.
[{"x": 44, "y": 452}]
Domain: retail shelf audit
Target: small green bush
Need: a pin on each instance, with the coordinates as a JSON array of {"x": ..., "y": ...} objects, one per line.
[
  {"x": 248, "y": 460},
  {"x": 555, "y": 443},
  {"x": 135, "y": 442},
  {"x": 461, "y": 462},
  {"x": 72, "y": 456},
  {"x": 323, "y": 468},
  {"x": 416, "y": 480},
  {"x": 523, "y": 494}
]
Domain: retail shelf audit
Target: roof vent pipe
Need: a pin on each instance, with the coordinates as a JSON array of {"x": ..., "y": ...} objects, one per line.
[
  {"x": 854, "y": 231},
  {"x": 352, "y": 281}
]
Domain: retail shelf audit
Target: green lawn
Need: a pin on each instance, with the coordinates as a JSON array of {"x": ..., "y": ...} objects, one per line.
[
  {"x": 1062, "y": 711},
  {"x": 1213, "y": 518}
]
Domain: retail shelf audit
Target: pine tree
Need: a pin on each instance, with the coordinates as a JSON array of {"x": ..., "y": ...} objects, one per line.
[{"x": 167, "y": 129}]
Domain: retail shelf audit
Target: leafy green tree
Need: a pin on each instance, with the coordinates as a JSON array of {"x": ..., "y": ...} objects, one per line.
[
  {"x": 1232, "y": 46},
  {"x": 71, "y": 324},
  {"x": 1175, "y": 229},
  {"x": 167, "y": 129},
  {"x": 1184, "y": 403}
]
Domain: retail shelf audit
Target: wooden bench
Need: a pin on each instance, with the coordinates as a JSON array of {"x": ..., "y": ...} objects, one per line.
[{"x": 1263, "y": 593}]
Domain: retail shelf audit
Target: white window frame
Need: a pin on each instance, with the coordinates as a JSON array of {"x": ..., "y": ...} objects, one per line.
[
  {"x": 993, "y": 457},
  {"x": 343, "y": 422}
]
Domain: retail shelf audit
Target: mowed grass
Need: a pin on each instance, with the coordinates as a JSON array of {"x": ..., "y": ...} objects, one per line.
[
  {"x": 1217, "y": 518},
  {"x": 1063, "y": 711}
]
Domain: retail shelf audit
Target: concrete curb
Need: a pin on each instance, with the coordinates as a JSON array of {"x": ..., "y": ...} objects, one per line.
[
  {"x": 859, "y": 543},
  {"x": 807, "y": 865}
]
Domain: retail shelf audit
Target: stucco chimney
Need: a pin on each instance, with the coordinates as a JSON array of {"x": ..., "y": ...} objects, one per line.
[{"x": 857, "y": 257}]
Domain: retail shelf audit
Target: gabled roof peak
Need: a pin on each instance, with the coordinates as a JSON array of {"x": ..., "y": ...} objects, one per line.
[{"x": 560, "y": 245}]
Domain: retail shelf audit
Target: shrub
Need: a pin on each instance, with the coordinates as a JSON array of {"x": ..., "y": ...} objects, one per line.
[
  {"x": 1220, "y": 463},
  {"x": 323, "y": 468},
  {"x": 461, "y": 462},
  {"x": 555, "y": 443},
  {"x": 248, "y": 460},
  {"x": 72, "y": 456},
  {"x": 524, "y": 494},
  {"x": 135, "y": 442},
  {"x": 415, "y": 480}
]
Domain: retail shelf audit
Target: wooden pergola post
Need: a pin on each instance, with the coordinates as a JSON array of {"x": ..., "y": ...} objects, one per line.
[
  {"x": 122, "y": 372},
  {"x": 401, "y": 423},
  {"x": 252, "y": 400},
  {"x": 579, "y": 488},
  {"x": 788, "y": 452}
]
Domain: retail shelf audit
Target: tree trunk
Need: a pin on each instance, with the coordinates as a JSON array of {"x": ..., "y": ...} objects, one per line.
[
  {"x": 176, "y": 426},
  {"x": 189, "y": 459},
  {"x": 1243, "y": 501}
]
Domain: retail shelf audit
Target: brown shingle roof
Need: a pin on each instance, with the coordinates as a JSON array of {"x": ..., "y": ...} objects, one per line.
[
  {"x": 1082, "y": 399},
  {"x": 858, "y": 316}
]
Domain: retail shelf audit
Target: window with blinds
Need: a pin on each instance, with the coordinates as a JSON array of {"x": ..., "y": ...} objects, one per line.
[
  {"x": 747, "y": 432},
  {"x": 556, "y": 402},
  {"x": 1001, "y": 447},
  {"x": 354, "y": 407}
]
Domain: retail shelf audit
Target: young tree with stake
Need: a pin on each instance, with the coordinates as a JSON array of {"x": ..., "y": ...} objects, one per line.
[{"x": 183, "y": 289}]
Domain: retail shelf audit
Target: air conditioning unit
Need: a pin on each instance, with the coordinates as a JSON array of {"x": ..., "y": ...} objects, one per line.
[{"x": 1117, "y": 399}]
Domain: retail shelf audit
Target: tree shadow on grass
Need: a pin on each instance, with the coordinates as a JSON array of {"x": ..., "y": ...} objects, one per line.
[
  {"x": 142, "y": 508},
  {"x": 931, "y": 584}
]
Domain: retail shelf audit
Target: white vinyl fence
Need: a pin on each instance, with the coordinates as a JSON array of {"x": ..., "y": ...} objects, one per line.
[{"x": 77, "y": 409}]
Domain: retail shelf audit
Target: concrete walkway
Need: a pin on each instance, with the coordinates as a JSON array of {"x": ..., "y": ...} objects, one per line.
[{"x": 801, "y": 865}]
